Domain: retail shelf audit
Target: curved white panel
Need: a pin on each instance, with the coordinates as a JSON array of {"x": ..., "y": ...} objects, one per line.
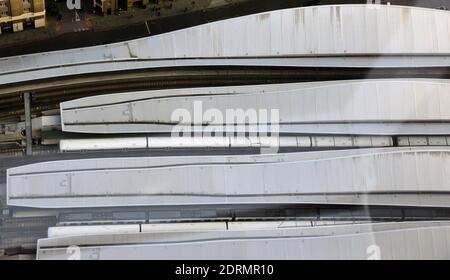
[
  {"x": 413, "y": 240},
  {"x": 287, "y": 179},
  {"x": 319, "y": 30},
  {"x": 330, "y": 102}
]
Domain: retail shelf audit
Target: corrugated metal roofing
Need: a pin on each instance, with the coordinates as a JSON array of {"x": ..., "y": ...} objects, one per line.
[
  {"x": 319, "y": 30},
  {"x": 406, "y": 100},
  {"x": 410, "y": 240},
  {"x": 123, "y": 182}
]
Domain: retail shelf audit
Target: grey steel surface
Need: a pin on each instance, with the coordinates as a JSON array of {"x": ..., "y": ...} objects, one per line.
[{"x": 289, "y": 178}]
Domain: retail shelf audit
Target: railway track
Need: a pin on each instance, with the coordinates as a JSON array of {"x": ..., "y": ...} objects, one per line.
[{"x": 48, "y": 93}]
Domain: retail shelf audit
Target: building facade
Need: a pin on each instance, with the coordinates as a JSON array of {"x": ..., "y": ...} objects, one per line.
[
  {"x": 15, "y": 14},
  {"x": 112, "y": 6}
]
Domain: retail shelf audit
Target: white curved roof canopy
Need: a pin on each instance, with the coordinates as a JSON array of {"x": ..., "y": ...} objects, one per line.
[
  {"x": 345, "y": 102},
  {"x": 281, "y": 240},
  {"x": 290, "y": 178},
  {"x": 309, "y": 31}
]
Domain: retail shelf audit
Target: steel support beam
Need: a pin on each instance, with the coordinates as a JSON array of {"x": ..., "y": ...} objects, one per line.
[{"x": 28, "y": 131}]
